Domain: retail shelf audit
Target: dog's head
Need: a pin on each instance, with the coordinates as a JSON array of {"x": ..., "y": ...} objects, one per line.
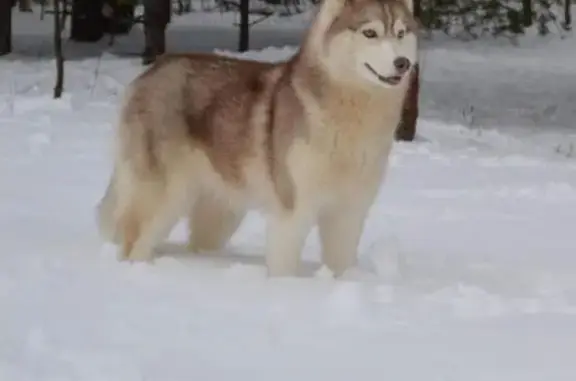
[{"x": 370, "y": 41}]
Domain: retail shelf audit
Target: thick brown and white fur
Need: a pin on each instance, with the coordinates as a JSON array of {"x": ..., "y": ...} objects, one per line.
[{"x": 304, "y": 141}]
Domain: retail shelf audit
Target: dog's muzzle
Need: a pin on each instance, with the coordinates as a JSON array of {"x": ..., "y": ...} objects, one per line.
[
  {"x": 401, "y": 64},
  {"x": 391, "y": 80}
]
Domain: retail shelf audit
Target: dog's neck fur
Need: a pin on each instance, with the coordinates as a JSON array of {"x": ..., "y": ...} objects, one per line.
[{"x": 343, "y": 100}]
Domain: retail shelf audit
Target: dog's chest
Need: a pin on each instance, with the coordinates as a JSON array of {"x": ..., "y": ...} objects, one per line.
[
  {"x": 338, "y": 162},
  {"x": 355, "y": 143},
  {"x": 348, "y": 143}
]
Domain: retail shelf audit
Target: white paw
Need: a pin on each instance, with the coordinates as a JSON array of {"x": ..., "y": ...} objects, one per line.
[
  {"x": 324, "y": 273},
  {"x": 384, "y": 258}
]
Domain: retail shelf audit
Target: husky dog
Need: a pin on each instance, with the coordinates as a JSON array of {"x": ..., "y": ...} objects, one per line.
[{"x": 305, "y": 141}]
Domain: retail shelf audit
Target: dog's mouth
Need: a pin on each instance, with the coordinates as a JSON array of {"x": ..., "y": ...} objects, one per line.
[{"x": 392, "y": 80}]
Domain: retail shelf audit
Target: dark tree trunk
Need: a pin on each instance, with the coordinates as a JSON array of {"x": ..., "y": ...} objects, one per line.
[
  {"x": 25, "y": 5},
  {"x": 184, "y": 6},
  {"x": 527, "y": 13},
  {"x": 567, "y": 14},
  {"x": 244, "y": 39},
  {"x": 88, "y": 22},
  {"x": 5, "y": 26},
  {"x": 407, "y": 129},
  {"x": 157, "y": 16},
  {"x": 59, "y": 85},
  {"x": 417, "y": 9}
]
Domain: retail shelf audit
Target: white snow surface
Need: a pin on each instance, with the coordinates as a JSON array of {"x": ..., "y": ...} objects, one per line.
[{"x": 467, "y": 268}]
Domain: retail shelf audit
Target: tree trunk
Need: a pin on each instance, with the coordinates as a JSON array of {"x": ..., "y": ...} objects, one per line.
[
  {"x": 527, "y": 13},
  {"x": 244, "y": 38},
  {"x": 59, "y": 86},
  {"x": 407, "y": 129},
  {"x": 25, "y": 5},
  {"x": 157, "y": 16},
  {"x": 5, "y": 26},
  {"x": 567, "y": 15},
  {"x": 417, "y": 9},
  {"x": 88, "y": 22}
]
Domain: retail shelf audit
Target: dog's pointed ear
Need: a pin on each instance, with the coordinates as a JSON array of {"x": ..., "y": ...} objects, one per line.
[
  {"x": 326, "y": 12},
  {"x": 409, "y": 5}
]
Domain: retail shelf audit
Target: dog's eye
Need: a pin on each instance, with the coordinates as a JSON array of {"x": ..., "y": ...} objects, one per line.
[
  {"x": 369, "y": 33},
  {"x": 400, "y": 34}
]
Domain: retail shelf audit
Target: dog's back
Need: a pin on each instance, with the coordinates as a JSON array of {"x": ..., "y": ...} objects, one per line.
[
  {"x": 187, "y": 114},
  {"x": 179, "y": 97}
]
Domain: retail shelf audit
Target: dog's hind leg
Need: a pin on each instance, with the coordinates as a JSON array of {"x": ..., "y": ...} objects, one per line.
[
  {"x": 147, "y": 213},
  {"x": 212, "y": 223},
  {"x": 105, "y": 214}
]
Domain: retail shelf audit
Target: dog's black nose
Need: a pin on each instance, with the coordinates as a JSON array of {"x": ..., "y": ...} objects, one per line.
[{"x": 402, "y": 64}]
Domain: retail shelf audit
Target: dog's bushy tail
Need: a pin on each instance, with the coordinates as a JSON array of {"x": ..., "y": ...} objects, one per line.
[{"x": 106, "y": 212}]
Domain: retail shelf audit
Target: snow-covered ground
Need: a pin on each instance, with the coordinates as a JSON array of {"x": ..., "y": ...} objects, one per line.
[{"x": 467, "y": 268}]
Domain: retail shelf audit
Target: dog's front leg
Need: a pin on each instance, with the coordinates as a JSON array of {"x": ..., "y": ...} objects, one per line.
[
  {"x": 340, "y": 229},
  {"x": 285, "y": 239}
]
